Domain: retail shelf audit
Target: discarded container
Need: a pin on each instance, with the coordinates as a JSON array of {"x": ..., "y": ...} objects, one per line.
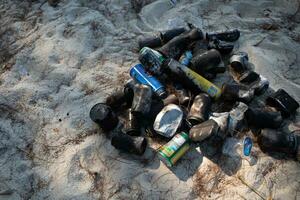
[
  {"x": 239, "y": 62},
  {"x": 129, "y": 144},
  {"x": 193, "y": 78},
  {"x": 138, "y": 73},
  {"x": 186, "y": 58},
  {"x": 103, "y": 115},
  {"x": 229, "y": 35},
  {"x": 133, "y": 124},
  {"x": 283, "y": 102},
  {"x": 206, "y": 61},
  {"x": 234, "y": 92},
  {"x": 150, "y": 41},
  {"x": 204, "y": 130},
  {"x": 168, "y": 120},
  {"x": 259, "y": 118},
  {"x": 141, "y": 100},
  {"x": 222, "y": 120},
  {"x": 277, "y": 141},
  {"x": 221, "y": 46},
  {"x": 151, "y": 60},
  {"x": 120, "y": 97},
  {"x": 248, "y": 78},
  {"x": 261, "y": 85},
  {"x": 247, "y": 146},
  {"x": 200, "y": 109},
  {"x": 160, "y": 38},
  {"x": 170, "y": 34},
  {"x": 236, "y": 120},
  {"x": 171, "y": 152},
  {"x": 179, "y": 44}
]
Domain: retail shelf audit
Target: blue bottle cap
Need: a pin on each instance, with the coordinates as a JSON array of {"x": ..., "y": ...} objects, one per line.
[{"x": 247, "y": 146}]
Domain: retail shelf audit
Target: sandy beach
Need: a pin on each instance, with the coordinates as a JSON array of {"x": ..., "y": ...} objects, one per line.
[{"x": 57, "y": 62}]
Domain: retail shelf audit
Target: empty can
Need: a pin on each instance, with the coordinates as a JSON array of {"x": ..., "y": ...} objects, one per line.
[
  {"x": 141, "y": 100},
  {"x": 103, "y": 115},
  {"x": 239, "y": 62},
  {"x": 206, "y": 61},
  {"x": 194, "y": 79},
  {"x": 152, "y": 60},
  {"x": 129, "y": 144},
  {"x": 138, "y": 73},
  {"x": 283, "y": 102},
  {"x": 204, "y": 130},
  {"x": 171, "y": 152},
  {"x": 229, "y": 35},
  {"x": 200, "y": 109}
]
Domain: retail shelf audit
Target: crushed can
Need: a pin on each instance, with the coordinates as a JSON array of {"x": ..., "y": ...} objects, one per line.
[
  {"x": 138, "y": 73},
  {"x": 229, "y": 35},
  {"x": 168, "y": 120},
  {"x": 200, "y": 132},
  {"x": 152, "y": 60},
  {"x": 283, "y": 102},
  {"x": 129, "y": 144},
  {"x": 194, "y": 78},
  {"x": 236, "y": 120},
  {"x": 206, "y": 61},
  {"x": 103, "y": 115},
  {"x": 200, "y": 109},
  {"x": 171, "y": 152},
  {"x": 141, "y": 100},
  {"x": 221, "y": 46},
  {"x": 235, "y": 92}
]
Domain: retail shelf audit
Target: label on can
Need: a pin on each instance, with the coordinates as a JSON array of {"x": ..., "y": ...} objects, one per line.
[{"x": 174, "y": 149}]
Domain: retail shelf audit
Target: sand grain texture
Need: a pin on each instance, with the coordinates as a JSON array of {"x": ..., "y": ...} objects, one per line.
[{"x": 57, "y": 62}]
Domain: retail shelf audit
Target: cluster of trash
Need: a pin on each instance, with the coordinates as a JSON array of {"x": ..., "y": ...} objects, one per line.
[{"x": 170, "y": 95}]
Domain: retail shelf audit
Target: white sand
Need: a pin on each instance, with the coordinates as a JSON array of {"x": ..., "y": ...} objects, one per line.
[{"x": 56, "y": 63}]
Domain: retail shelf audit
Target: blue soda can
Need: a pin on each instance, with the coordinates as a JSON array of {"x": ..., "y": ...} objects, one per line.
[
  {"x": 186, "y": 58},
  {"x": 138, "y": 73},
  {"x": 247, "y": 146}
]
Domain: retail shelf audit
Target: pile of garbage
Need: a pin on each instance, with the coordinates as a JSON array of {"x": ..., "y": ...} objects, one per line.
[{"x": 171, "y": 93}]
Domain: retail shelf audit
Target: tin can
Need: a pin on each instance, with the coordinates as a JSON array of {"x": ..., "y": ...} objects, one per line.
[
  {"x": 186, "y": 58},
  {"x": 120, "y": 97},
  {"x": 204, "y": 130},
  {"x": 194, "y": 78},
  {"x": 183, "y": 95},
  {"x": 259, "y": 118},
  {"x": 168, "y": 120},
  {"x": 206, "y": 61},
  {"x": 171, "y": 152},
  {"x": 151, "y": 60},
  {"x": 133, "y": 126},
  {"x": 221, "y": 46},
  {"x": 239, "y": 62},
  {"x": 170, "y": 34},
  {"x": 234, "y": 92},
  {"x": 236, "y": 119},
  {"x": 138, "y": 73},
  {"x": 142, "y": 99},
  {"x": 283, "y": 102},
  {"x": 103, "y": 115},
  {"x": 150, "y": 41},
  {"x": 179, "y": 44},
  {"x": 200, "y": 109},
  {"x": 129, "y": 144},
  {"x": 229, "y": 35}
]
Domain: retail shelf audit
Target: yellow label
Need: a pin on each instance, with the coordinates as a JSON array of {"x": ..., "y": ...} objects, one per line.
[
  {"x": 204, "y": 84},
  {"x": 180, "y": 153}
]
